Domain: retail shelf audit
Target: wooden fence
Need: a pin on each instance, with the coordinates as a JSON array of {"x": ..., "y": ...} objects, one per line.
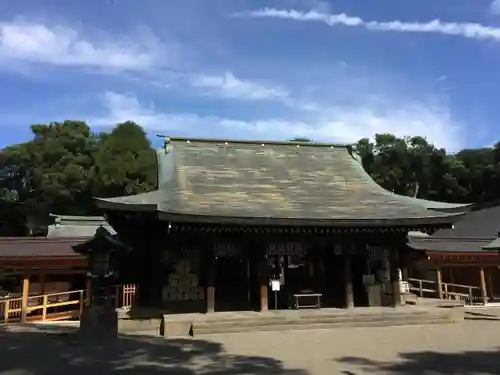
[
  {"x": 471, "y": 295},
  {"x": 59, "y": 306}
]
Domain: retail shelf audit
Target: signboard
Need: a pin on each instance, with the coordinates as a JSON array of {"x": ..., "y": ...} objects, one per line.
[
  {"x": 226, "y": 249},
  {"x": 286, "y": 248},
  {"x": 275, "y": 285}
]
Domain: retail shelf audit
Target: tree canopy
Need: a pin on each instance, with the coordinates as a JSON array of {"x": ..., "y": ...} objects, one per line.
[
  {"x": 414, "y": 167},
  {"x": 65, "y": 165}
]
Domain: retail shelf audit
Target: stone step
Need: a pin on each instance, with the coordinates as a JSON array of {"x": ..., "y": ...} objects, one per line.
[
  {"x": 312, "y": 320},
  {"x": 439, "y": 316},
  {"x": 134, "y": 325},
  {"x": 284, "y": 326}
]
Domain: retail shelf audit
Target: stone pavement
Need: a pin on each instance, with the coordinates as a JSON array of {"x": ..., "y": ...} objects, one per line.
[{"x": 465, "y": 348}]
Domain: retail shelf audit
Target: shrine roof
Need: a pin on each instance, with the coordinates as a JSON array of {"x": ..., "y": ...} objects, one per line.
[
  {"x": 433, "y": 244},
  {"x": 207, "y": 180},
  {"x": 481, "y": 222},
  {"x": 493, "y": 245},
  {"x": 37, "y": 247},
  {"x": 76, "y": 226}
]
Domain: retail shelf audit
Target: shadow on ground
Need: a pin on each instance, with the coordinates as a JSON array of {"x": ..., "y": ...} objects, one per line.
[
  {"x": 428, "y": 363},
  {"x": 48, "y": 350}
]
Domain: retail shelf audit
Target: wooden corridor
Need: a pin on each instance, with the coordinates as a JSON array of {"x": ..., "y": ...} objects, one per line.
[
  {"x": 57, "y": 306},
  {"x": 470, "y": 295}
]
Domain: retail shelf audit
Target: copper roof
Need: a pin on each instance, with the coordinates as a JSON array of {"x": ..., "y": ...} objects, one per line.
[
  {"x": 22, "y": 247},
  {"x": 281, "y": 183}
]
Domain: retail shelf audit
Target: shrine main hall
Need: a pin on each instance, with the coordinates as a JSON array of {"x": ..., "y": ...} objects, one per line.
[{"x": 249, "y": 225}]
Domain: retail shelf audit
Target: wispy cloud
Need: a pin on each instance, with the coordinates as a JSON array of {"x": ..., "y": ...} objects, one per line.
[
  {"x": 468, "y": 30},
  {"x": 495, "y": 7},
  {"x": 229, "y": 86},
  {"x": 56, "y": 45},
  {"x": 339, "y": 124}
]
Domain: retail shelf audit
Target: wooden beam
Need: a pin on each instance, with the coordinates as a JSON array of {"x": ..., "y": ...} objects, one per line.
[
  {"x": 489, "y": 280},
  {"x": 263, "y": 282},
  {"x": 25, "y": 295},
  {"x": 210, "y": 283},
  {"x": 42, "y": 280},
  {"x": 484, "y": 294},
  {"x": 88, "y": 291},
  {"x": 394, "y": 275},
  {"x": 349, "y": 294},
  {"x": 439, "y": 280}
]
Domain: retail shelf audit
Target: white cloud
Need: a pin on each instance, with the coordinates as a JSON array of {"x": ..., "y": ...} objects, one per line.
[
  {"x": 228, "y": 86},
  {"x": 495, "y": 7},
  {"x": 468, "y": 30},
  {"x": 62, "y": 46},
  {"x": 339, "y": 124}
]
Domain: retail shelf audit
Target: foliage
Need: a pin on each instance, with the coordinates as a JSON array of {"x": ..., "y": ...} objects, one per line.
[
  {"x": 412, "y": 166},
  {"x": 65, "y": 165}
]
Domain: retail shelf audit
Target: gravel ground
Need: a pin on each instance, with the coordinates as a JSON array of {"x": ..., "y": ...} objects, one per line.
[{"x": 465, "y": 348}]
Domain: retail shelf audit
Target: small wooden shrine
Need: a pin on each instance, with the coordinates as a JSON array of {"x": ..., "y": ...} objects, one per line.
[
  {"x": 47, "y": 264},
  {"x": 466, "y": 254}
]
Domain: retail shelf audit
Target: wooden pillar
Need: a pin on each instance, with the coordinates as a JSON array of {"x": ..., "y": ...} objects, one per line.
[
  {"x": 88, "y": 291},
  {"x": 263, "y": 284},
  {"x": 211, "y": 283},
  {"x": 24, "y": 300},
  {"x": 405, "y": 273},
  {"x": 349, "y": 294},
  {"x": 393, "y": 271},
  {"x": 439, "y": 282},
  {"x": 489, "y": 280},
  {"x": 484, "y": 295},
  {"x": 42, "y": 280}
]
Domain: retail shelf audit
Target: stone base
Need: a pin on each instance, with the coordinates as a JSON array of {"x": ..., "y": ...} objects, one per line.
[{"x": 99, "y": 323}]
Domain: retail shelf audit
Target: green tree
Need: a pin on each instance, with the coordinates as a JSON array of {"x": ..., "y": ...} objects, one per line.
[
  {"x": 58, "y": 160},
  {"x": 68, "y": 165},
  {"x": 125, "y": 163}
]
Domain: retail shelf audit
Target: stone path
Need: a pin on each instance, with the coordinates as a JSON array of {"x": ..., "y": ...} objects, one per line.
[{"x": 467, "y": 348}]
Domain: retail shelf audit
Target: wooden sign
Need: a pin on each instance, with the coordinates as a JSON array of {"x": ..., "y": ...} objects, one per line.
[
  {"x": 286, "y": 248},
  {"x": 226, "y": 249}
]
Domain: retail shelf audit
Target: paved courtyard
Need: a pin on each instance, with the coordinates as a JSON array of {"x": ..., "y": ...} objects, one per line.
[{"x": 472, "y": 347}]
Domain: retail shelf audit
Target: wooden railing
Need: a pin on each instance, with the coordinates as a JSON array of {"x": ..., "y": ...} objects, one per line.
[
  {"x": 126, "y": 296},
  {"x": 429, "y": 288},
  {"x": 423, "y": 287},
  {"x": 59, "y": 306},
  {"x": 470, "y": 294},
  {"x": 52, "y": 306}
]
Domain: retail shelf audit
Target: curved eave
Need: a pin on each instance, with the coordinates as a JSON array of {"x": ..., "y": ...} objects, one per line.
[
  {"x": 144, "y": 202},
  {"x": 492, "y": 246},
  {"x": 110, "y": 204},
  {"x": 438, "y": 206},
  {"x": 444, "y": 220},
  {"x": 418, "y": 202}
]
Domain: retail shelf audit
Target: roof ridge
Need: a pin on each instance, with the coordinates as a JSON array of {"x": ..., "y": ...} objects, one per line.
[
  {"x": 440, "y": 239},
  {"x": 257, "y": 142},
  {"x": 40, "y": 239}
]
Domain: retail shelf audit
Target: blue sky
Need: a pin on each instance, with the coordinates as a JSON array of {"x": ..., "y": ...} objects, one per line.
[{"x": 275, "y": 69}]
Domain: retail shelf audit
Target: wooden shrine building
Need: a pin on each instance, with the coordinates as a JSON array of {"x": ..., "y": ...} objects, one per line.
[
  {"x": 466, "y": 254},
  {"x": 230, "y": 216},
  {"x": 40, "y": 265}
]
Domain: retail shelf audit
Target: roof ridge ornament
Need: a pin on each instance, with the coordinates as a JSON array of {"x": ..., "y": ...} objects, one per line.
[
  {"x": 166, "y": 141},
  {"x": 351, "y": 149}
]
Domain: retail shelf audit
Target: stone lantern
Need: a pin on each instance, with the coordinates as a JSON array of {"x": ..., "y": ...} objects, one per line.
[{"x": 99, "y": 319}]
